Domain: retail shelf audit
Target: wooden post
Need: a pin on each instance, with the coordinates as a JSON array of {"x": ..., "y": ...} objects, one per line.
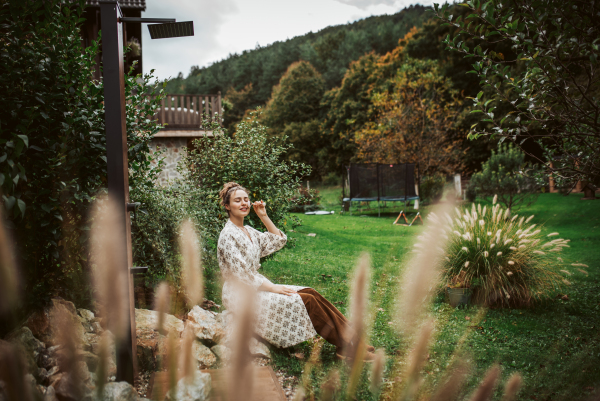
[{"x": 118, "y": 173}]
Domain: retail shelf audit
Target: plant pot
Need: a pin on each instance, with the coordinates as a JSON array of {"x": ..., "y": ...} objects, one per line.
[{"x": 458, "y": 296}]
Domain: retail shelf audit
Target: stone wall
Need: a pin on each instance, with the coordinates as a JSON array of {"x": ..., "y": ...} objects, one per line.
[{"x": 173, "y": 151}]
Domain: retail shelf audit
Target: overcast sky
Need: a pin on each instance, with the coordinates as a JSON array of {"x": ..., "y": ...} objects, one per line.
[{"x": 223, "y": 27}]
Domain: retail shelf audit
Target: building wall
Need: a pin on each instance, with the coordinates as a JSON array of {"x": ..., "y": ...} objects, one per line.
[{"x": 173, "y": 151}]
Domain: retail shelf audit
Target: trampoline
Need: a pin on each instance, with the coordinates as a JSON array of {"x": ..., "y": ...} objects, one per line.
[{"x": 380, "y": 182}]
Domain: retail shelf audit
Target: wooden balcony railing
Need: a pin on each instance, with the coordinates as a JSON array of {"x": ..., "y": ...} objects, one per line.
[{"x": 187, "y": 112}]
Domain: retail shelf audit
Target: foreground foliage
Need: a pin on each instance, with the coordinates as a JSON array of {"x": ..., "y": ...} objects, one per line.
[{"x": 52, "y": 138}]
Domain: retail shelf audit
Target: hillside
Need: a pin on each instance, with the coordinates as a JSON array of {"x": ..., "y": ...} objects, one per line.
[{"x": 330, "y": 51}]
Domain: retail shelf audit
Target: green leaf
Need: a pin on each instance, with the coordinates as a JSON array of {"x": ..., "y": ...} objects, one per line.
[
  {"x": 21, "y": 206},
  {"x": 479, "y": 95},
  {"x": 24, "y": 139},
  {"x": 9, "y": 202}
]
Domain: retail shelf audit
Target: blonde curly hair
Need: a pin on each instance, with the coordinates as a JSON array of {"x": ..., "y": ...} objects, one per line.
[{"x": 228, "y": 189}]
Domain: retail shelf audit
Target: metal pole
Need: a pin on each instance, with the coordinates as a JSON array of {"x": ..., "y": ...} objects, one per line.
[{"x": 118, "y": 175}]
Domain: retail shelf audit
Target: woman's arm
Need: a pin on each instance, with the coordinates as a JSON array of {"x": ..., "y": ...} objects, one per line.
[
  {"x": 277, "y": 289},
  {"x": 261, "y": 212}
]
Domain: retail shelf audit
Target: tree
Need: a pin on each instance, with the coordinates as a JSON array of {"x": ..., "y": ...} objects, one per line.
[
  {"x": 293, "y": 113},
  {"x": 548, "y": 91},
  {"x": 505, "y": 175},
  {"x": 413, "y": 120}
]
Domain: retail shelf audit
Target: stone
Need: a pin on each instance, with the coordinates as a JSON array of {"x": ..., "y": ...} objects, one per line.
[
  {"x": 118, "y": 391},
  {"x": 96, "y": 327},
  {"x": 90, "y": 360},
  {"x": 54, "y": 370},
  {"x": 147, "y": 348},
  {"x": 205, "y": 325},
  {"x": 43, "y": 376},
  {"x": 69, "y": 388},
  {"x": 55, "y": 378},
  {"x": 50, "y": 394},
  {"x": 203, "y": 355},
  {"x": 87, "y": 315},
  {"x": 222, "y": 352},
  {"x": 41, "y": 322},
  {"x": 29, "y": 347},
  {"x": 148, "y": 320},
  {"x": 196, "y": 388},
  {"x": 259, "y": 349}
]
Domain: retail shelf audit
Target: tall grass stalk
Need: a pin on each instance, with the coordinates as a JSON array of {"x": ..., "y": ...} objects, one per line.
[
  {"x": 356, "y": 350},
  {"x": 191, "y": 264},
  {"x": 417, "y": 359},
  {"x": 240, "y": 373},
  {"x": 162, "y": 304},
  {"x": 449, "y": 388},
  {"x": 512, "y": 387},
  {"x": 110, "y": 274},
  {"x": 488, "y": 384},
  {"x": 9, "y": 282}
]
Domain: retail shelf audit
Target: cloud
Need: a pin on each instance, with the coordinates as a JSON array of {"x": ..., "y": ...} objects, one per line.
[
  {"x": 170, "y": 56},
  {"x": 399, "y": 4},
  {"x": 364, "y": 4}
]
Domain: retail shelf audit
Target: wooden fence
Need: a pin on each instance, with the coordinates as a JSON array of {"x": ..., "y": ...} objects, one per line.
[{"x": 187, "y": 112}]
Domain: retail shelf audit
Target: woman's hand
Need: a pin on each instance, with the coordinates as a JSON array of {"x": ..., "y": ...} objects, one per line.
[
  {"x": 283, "y": 290},
  {"x": 259, "y": 208}
]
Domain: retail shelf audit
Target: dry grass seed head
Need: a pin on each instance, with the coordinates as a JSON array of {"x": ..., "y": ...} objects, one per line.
[
  {"x": 12, "y": 372},
  {"x": 512, "y": 387},
  {"x": 486, "y": 387},
  {"x": 110, "y": 271},
  {"x": 240, "y": 373},
  {"x": 419, "y": 280},
  {"x": 9, "y": 282},
  {"x": 187, "y": 363},
  {"x": 191, "y": 264},
  {"x": 377, "y": 370},
  {"x": 358, "y": 303},
  {"x": 417, "y": 358},
  {"x": 162, "y": 304},
  {"x": 330, "y": 386},
  {"x": 449, "y": 390}
]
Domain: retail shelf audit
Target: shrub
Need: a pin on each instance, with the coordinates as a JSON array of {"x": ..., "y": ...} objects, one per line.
[
  {"x": 305, "y": 200},
  {"x": 507, "y": 175},
  {"x": 506, "y": 260},
  {"x": 431, "y": 188},
  {"x": 250, "y": 159},
  {"x": 53, "y": 147}
]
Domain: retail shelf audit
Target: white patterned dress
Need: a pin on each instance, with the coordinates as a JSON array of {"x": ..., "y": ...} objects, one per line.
[{"x": 282, "y": 320}]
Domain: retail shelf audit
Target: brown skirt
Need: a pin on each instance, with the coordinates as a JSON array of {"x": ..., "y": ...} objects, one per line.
[{"x": 328, "y": 321}]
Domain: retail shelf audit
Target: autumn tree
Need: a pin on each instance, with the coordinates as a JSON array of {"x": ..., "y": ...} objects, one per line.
[{"x": 413, "y": 122}]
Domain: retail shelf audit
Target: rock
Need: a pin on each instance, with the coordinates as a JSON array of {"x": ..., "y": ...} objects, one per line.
[
  {"x": 30, "y": 380},
  {"x": 96, "y": 327},
  {"x": 41, "y": 322},
  {"x": 90, "y": 360},
  {"x": 147, "y": 348},
  {"x": 196, "y": 388},
  {"x": 86, "y": 314},
  {"x": 205, "y": 325},
  {"x": 260, "y": 349},
  {"x": 119, "y": 391},
  {"x": 29, "y": 347},
  {"x": 203, "y": 355},
  {"x": 148, "y": 319},
  {"x": 50, "y": 394},
  {"x": 222, "y": 352},
  {"x": 54, "y": 379},
  {"x": 69, "y": 388},
  {"x": 53, "y": 371},
  {"x": 43, "y": 376}
]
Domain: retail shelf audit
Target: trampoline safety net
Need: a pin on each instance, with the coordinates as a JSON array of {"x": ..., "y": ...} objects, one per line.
[{"x": 385, "y": 182}]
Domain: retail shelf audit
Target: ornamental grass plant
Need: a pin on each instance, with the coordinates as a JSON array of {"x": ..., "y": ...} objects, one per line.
[{"x": 506, "y": 260}]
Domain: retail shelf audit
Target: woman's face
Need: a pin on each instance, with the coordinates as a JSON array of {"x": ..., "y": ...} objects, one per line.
[{"x": 239, "y": 204}]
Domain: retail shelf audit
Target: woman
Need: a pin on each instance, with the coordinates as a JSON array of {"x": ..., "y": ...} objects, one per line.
[{"x": 286, "y": 314}]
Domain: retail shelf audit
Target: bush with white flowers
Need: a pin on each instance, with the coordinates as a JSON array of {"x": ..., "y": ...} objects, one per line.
[{"x": 507, "y": 260}]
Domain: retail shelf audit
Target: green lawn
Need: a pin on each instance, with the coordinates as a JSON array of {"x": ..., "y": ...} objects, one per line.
[{"x": 554, "y": 345}]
